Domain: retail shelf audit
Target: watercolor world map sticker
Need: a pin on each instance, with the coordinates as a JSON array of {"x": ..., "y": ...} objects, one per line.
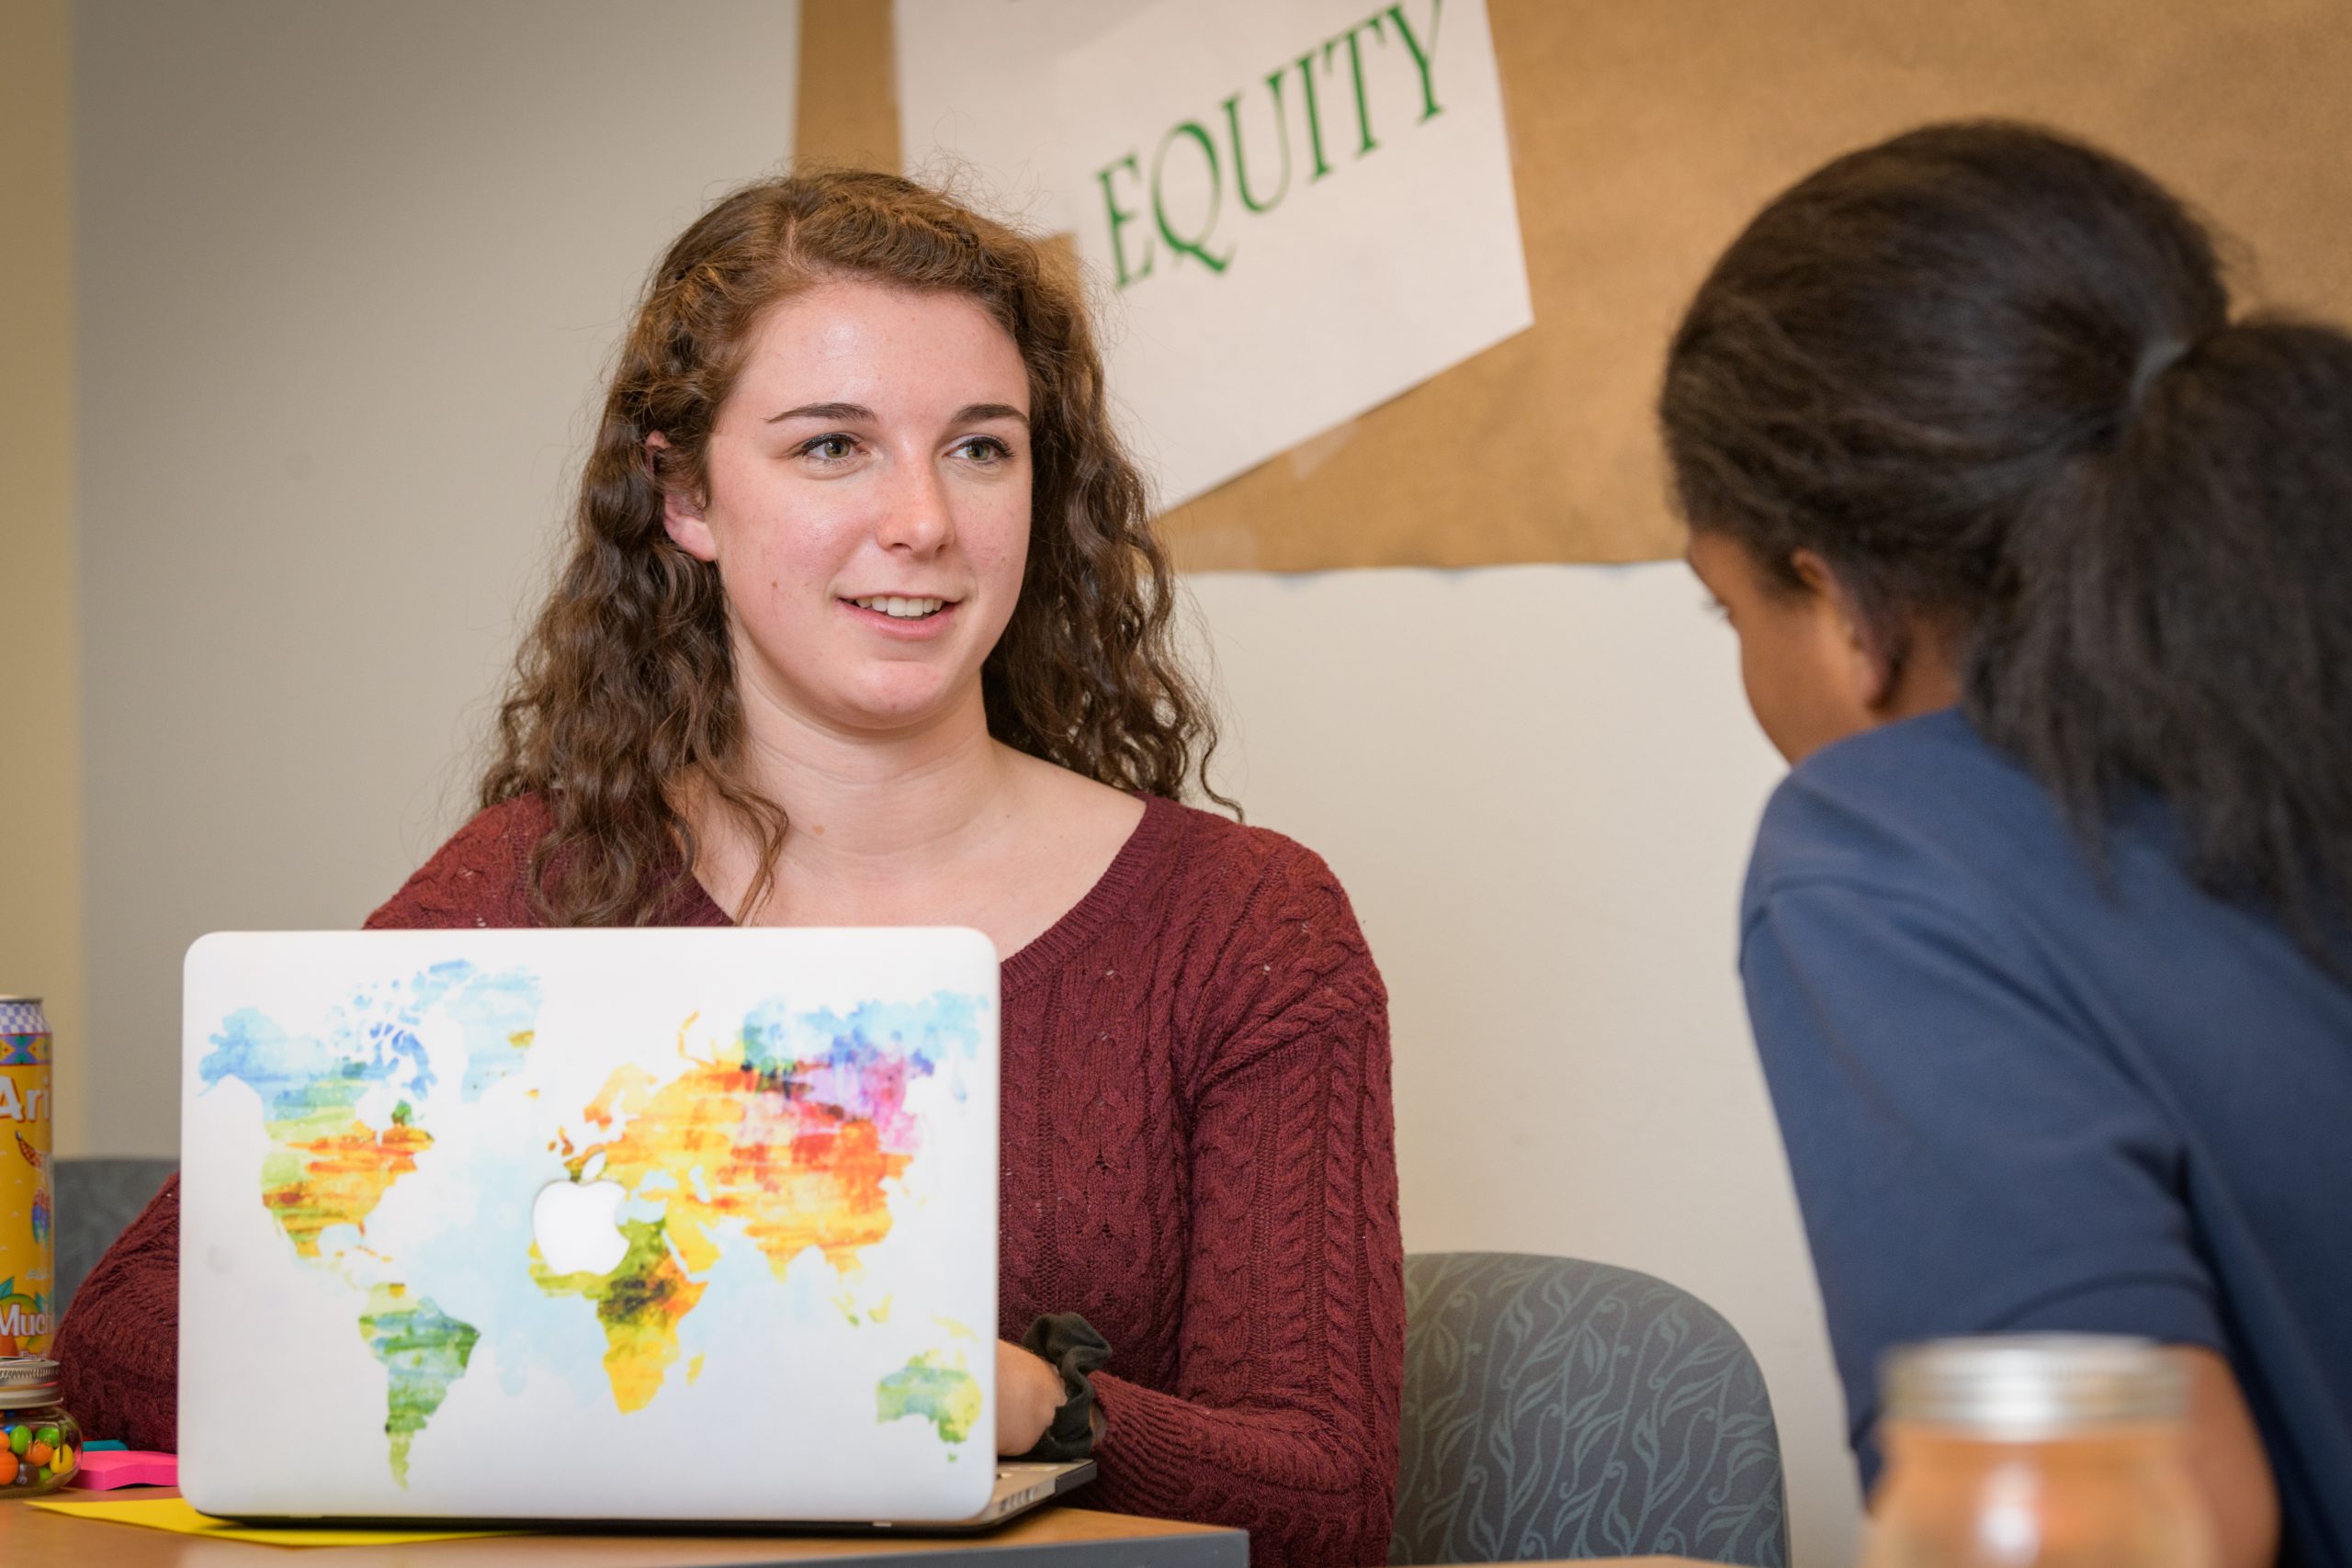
[{"x": 785, "y": 1132}]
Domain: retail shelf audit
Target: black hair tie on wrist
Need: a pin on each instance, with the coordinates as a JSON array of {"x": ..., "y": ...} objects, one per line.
[{"x": 1069, "y": 1344}]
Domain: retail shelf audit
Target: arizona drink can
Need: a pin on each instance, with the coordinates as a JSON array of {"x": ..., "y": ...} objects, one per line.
[{"x": 27, "y": 1242}]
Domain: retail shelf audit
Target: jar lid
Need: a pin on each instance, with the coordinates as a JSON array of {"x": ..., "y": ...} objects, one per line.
[
  {"x": 2033, "y": 1385},
  {"x": 27, "y": 1379}
]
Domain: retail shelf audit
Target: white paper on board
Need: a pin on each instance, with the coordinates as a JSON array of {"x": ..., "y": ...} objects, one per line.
[
  {"x": 975, "y": 108},
  {"x": 1374, "y": 242}
]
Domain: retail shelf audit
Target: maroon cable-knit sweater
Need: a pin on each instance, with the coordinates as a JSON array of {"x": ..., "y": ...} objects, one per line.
[{"x": 1198, "y": 1156}]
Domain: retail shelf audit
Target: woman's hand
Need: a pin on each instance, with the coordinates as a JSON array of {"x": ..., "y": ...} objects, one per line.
[
  {"x": 2227, "y": 1462},
  {"x": 1028, "y": 1391}
]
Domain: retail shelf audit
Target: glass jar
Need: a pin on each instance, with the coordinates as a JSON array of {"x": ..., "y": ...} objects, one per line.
[
  {"x": 2054, "y": 1450},
  {"x": 40, "y": 1445}
]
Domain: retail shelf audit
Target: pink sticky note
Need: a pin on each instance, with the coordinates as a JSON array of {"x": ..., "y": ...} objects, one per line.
[{"x": 109, "y": 1468}]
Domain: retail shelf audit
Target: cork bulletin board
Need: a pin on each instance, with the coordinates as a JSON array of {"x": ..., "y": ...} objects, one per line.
[{"x": 1643, "y": 133}]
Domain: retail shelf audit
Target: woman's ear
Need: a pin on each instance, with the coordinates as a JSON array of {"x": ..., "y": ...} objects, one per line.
[
  {"x": 1867, "y": 668},
  {"x": 682, "y": 514}
]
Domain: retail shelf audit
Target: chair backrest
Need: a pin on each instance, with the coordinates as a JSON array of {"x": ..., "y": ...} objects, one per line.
[
  {"x": 96, "y": 1199},
  {"x": 1556, "y": 1409}
]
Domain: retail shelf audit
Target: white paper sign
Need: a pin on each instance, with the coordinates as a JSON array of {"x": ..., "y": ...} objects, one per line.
[
  {"x": 1296, "y": 209},
  {"x": 975, "y": 97}
]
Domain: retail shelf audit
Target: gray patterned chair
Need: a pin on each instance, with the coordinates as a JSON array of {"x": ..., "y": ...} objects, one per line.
[
  {"x": 1556, "y": 1409},
  {"x": 97, "y": 1200}
]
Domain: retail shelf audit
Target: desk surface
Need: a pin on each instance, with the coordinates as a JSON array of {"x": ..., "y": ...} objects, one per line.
[{"x": 1051, "y": 1538}]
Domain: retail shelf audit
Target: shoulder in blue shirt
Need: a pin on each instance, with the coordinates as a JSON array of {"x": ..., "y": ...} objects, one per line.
[{"x": 2023, "y": 1091}]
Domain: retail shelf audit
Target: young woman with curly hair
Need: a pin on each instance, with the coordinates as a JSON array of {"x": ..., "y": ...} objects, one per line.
[{"x": 864, "y": 623}]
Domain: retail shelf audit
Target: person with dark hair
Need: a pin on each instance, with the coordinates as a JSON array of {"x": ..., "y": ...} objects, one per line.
[
  {"x": 864, "y": 623},
  {"x": 2041, "y": 564}
]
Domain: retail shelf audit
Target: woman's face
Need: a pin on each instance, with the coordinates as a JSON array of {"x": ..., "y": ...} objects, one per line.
[
  {"x": 867, "y": 504},
  {"x": 1809, "y": 675}
]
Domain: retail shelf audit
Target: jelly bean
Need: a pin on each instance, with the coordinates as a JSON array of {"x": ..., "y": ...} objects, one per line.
[
  {"x": 19, "y": 1439},
  {"x": 8, "y": 1468},
  {"x": 63, "y": 1461},
  {"x": 37, "y": 1455},
  {"x": 46, "y": 1435}
]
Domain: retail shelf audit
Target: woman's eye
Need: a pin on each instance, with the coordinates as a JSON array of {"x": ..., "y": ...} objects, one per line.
[
  {"x": 983, "y": 449},
  {"x": 829, "y": 449}
]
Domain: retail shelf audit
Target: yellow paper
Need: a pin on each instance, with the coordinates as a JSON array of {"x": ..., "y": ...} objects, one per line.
[{"x": 173, "y": 1514}]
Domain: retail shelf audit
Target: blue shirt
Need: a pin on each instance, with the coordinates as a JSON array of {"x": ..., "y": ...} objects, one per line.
[{"x": 2017, "y": 1097}]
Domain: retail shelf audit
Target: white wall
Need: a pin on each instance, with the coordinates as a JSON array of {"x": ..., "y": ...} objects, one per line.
[
  {"x": 349, "y": 274},
  {"x": 1538, "y": 785}
]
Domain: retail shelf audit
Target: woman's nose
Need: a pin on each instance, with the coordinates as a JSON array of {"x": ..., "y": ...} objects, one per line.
[{"x": 915, "y": 515}]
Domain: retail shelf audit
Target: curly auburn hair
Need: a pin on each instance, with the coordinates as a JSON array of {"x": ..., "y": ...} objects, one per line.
[{"x": 623, "y": 699}]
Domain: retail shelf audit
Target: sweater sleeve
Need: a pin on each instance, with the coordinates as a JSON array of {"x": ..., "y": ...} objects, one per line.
[
  {"x": 117, "y": 1350},
  {"x": 1283, "y": 1415}
]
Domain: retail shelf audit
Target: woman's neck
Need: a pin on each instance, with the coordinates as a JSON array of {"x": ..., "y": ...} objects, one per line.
[
  {"x": 1928, "y": 677},
  {"x": 872, "y": 816}
]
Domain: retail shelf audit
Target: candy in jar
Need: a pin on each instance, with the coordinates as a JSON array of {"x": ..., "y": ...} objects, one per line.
[{"x": 40, "y": 1445}]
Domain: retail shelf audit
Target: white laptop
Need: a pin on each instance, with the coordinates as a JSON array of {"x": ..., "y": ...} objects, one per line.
[{"x": 648, "y": 1224}]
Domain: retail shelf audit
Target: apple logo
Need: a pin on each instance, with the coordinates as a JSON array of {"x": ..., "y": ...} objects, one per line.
[{"x": 573, "y": 1226}]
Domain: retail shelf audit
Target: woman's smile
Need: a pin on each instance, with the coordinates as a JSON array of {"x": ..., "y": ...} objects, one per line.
[{"x": 904, "y": 617}]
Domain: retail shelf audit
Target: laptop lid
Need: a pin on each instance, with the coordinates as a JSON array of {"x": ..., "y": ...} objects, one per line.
[{"x": 593, "y": 1224}]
